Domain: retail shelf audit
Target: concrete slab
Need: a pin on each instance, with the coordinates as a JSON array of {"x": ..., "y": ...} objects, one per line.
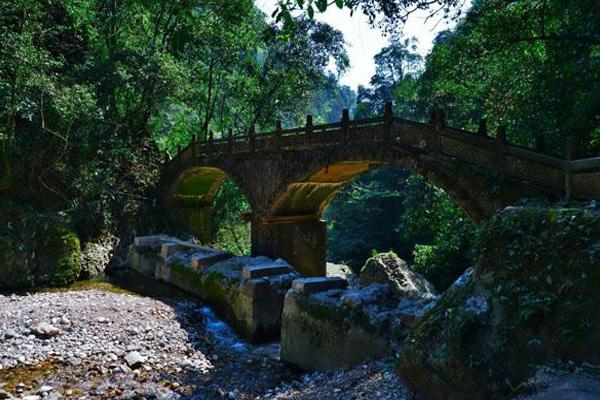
[
  {"x": 263, "y": 270},
  {"x": 151, "y": 242},
  {"x": 318, "y": 284},
  {"x": 204, "y": 259},
  {"x": 170, "y": 248}
]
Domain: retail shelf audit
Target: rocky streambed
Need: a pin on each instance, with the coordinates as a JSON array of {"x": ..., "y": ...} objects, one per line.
[{"x": 104, "y": 343}]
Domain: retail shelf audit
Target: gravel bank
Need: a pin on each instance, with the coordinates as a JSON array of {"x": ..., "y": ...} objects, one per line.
[{"x": 96, "y": 344}]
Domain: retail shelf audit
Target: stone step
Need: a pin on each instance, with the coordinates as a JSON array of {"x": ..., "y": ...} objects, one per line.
[
  {"x": 202, "y": 260},
  {"x": 260, "y": 271},
  {"x": 318, "y": 284},
  {"x": 170, "y": 248},
  {"x": 149, "y": 242},
  {"x": 173, "y": 245}
]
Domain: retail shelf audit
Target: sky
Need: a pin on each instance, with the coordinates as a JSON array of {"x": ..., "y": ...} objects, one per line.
[{"x": 364, "y": 41}]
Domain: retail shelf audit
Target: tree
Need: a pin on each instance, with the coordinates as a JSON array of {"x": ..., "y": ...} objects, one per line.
[
  {"x": 396, "y": 69},
  {"x": 540, "y": 78},
  {"x": 389, "y": 14}
]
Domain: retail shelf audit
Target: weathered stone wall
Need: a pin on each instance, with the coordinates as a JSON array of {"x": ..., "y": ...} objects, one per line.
[
  {"x": 248, "y": 292},
  {"x": 321, "y": 335},
  {"x": 328, "y": 323}
]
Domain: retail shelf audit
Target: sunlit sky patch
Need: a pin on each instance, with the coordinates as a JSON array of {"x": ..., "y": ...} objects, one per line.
[{"x": 364, "y": 41}]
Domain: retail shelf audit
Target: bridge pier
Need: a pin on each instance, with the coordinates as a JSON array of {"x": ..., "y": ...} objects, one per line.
[
  {"x": 299, "y": 240},
  {"x": 197, "y": 218}
]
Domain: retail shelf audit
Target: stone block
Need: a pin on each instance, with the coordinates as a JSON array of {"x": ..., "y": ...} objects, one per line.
[
  {"x": 202, "y": 260},
  {"x": 170, "y": 248},
  {"x": 146, "y": 263},
  {"x": 149, "y": 243},
  {"x": 265, "y": 270},
  {"x": 323, "y": 336},
  {"x": 255, "y": 288},
  {"x": 318, "y": 284}
]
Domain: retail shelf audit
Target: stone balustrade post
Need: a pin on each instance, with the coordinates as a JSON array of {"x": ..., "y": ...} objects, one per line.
[
  {"x": 278, "y": 134},
  {"x": 210, "y": 140},
  {"x": 438, "y": 119},
  {"x": 501, "y": 137},
  {"x": 252, "y": 137},
  {"x": 309, "y": 128},
  {"x": 194, "y": 144},
  {"x": 388, "y": 115},
  {"x": 482, "y": 131},
  {"x": 345, "y": 123},
  {"x": 571, "y": 151},
  {"x": 230, "y": 140}
]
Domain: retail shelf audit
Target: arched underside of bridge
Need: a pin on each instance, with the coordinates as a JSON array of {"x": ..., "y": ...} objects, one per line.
[
  {"x": 190, "y": 199},
  {"x": 288, "y": 179},
  {"x": 288, "y": 193}
]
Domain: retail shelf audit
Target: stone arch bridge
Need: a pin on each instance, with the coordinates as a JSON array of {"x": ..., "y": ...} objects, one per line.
[{"x": 289, "y": 176}]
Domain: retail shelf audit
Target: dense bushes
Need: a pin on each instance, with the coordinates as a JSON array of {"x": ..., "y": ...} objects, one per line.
[{"x": 36, "y": 249}]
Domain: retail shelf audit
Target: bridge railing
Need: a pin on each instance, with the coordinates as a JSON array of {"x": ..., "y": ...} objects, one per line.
[{"x": 376, "y": 129}]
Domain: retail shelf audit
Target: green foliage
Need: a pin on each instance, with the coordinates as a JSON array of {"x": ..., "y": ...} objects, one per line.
[
  {"x": 91, "y": 90},
  {"x": 364, "y": 216},
  {"x": 230, "y": 231},
  {"x": 64, "y": 256},
  {"x": 390, "y": 209},
  {"x": 539, "y": 77},
  {"x": 45, "y": 253},
  {"x": 389, "y": 14},
  {"x": 445, "y": 232},
  {"x": 396, "y": 69}
]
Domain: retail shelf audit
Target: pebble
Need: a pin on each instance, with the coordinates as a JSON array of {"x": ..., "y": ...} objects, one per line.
[
  {"x": 134, "y": 359},
  {"x": 95, "y": 355},
  {"x": 45, "y": 389},
  {"x": 5, "y": 395},
  {"x": 44, "y": 330}
]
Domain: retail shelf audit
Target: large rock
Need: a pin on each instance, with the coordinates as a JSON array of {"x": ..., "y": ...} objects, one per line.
[
  {"x": 533, "y": 297},
  {"x": 320, "y": 333},
  {"x": 96, "y": 256},
  {"x": 388, "y": 268},
  {"x": 548, "y": 384}
]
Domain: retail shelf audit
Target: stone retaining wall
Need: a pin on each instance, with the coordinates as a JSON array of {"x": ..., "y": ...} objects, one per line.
[
  {"x": 328, "y": 324},
  {"x": 248, "y": 292},
  {"x": 324, "y": 323}
]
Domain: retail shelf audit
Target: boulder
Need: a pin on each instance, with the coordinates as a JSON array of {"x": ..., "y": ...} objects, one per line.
[
  {"x": 96, "y": 255},
  {"x": 44, "y": 330},
  {"x": 548, "y": 384},
  {"x": 388, "y": 268},
  {"x": 134, "y": 359},
  {"x": 532, "y": 298}
]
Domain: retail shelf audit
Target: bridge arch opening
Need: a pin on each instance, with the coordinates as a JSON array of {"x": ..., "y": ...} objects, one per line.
[
  {"x": 374, "y": 206},
  {"x": 395, "y": 209},
  {"x": 209, "y": 202}
]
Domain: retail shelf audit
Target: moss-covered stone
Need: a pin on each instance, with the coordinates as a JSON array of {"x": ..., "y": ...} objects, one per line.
[
  {"x": 533, "y": 297},
  {"x": 324, "y": 337},
  {"x": 36, "y": 249},
  {"x": 62, "y": 253}
]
